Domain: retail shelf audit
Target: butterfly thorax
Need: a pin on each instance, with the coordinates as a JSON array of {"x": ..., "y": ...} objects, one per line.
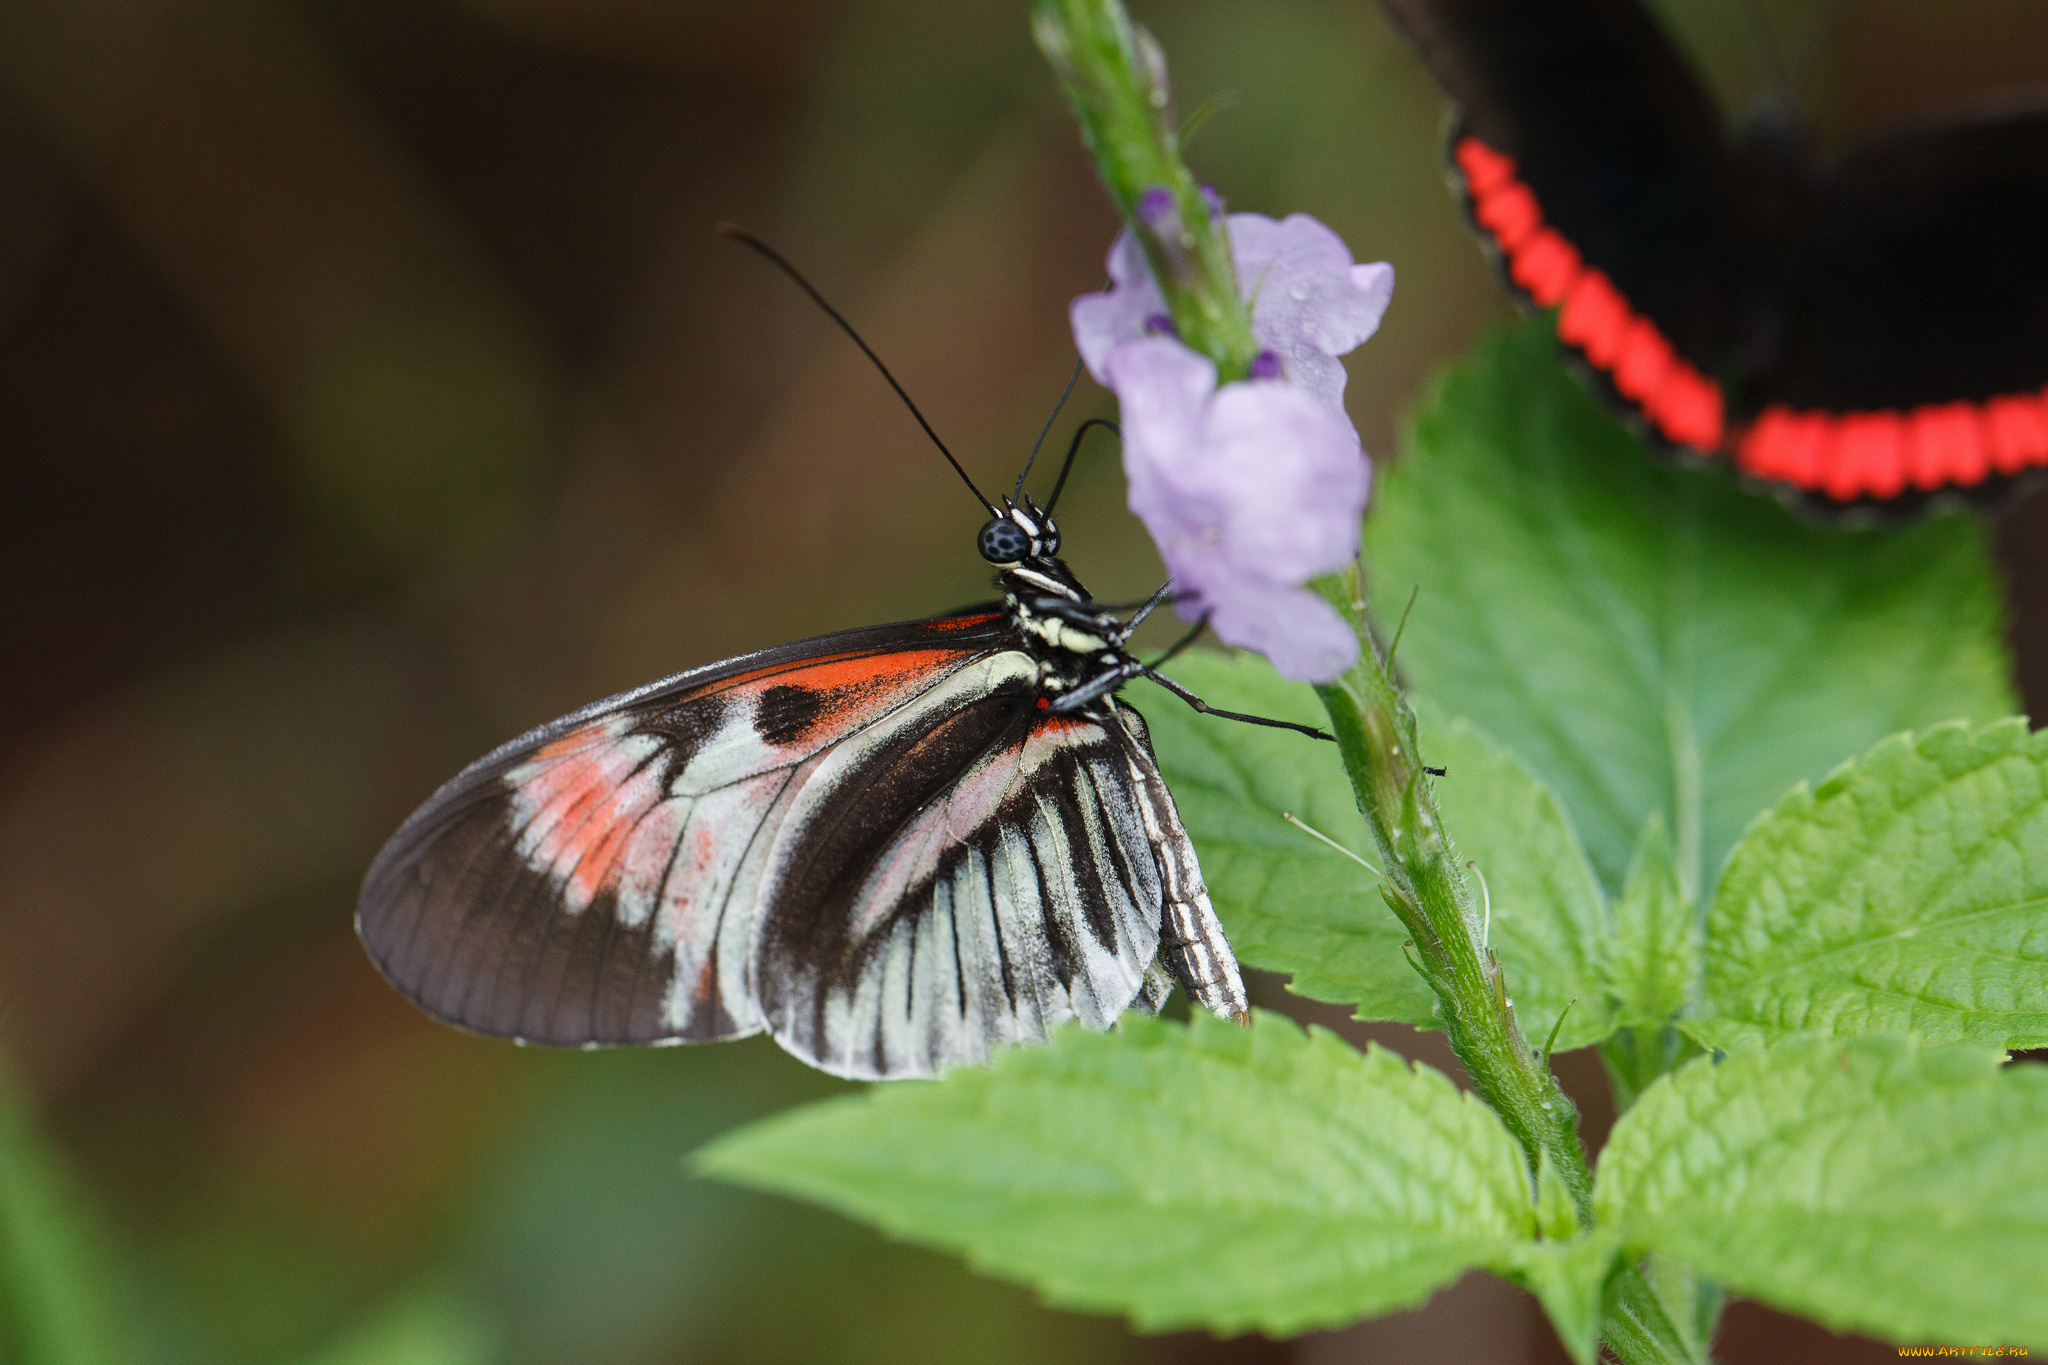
[
  {"x": 1059, "y": 623},
  {"x": 1077, "y": 645}
]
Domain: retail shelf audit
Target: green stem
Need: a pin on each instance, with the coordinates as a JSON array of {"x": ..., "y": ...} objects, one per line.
[
  {"x": 1426, "y": 887},
  {"x": 1114, "y": 76},
  {"x": 1643, "y": 1327}
]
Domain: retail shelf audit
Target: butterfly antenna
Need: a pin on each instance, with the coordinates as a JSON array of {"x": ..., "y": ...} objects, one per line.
[
  {"x": 1073, "y": 448},
  {"x": 1046, "y": 430},
  {"x": 748, "y": 239}
]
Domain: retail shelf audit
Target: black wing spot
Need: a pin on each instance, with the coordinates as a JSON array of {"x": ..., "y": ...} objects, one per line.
[
  {"x": 787, "y": 714},
  {"x": 683, "y": 729}
]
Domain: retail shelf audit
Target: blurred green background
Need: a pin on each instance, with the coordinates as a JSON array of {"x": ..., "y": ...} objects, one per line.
[{"x": 372, "y": 387}]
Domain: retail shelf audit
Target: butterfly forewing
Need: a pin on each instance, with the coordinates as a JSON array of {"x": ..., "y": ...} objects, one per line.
[
  {"x": 879, "y": 845},
  {"x": 593, "y": 881}
]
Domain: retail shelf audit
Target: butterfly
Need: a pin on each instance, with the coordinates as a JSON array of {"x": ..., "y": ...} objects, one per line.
[
  {"x": 894, "y": 848},
  {"x": 1872, "y": 330}
]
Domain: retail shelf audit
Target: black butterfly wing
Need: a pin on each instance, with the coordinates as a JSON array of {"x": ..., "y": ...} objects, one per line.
[
  {"x": 874, "y": 844},
  {"x": 1912, "y": 327},
  {"x": 1881, "y": 326},
  {"x": 1596, "y": 167}
]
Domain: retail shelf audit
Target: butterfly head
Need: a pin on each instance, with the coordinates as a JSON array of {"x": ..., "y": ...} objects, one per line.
[{"x": 1021, "y": 532}]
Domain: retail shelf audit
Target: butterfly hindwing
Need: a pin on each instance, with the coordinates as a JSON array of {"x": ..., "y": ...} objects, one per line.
[
  {"x": 1619, "y": 162},
  {"x": 1604, "y": 120},
  {"x": 967, "y": 879},
  {"x": 1921, "y": 278}
]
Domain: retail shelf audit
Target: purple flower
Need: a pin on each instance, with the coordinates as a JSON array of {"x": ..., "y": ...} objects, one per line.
[
  {"x": 1253, "y": 488},
  {"x": 1310, "y": 304},
  {"x": 1249, "y": 490}
]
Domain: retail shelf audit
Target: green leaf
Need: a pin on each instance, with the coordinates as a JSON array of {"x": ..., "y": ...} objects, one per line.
[
  {"x": 1293, "y": 904},
  {"x": 1649, "y": 638},
  {"x": 1873, "y": 1185},
  {"x": 1909, "y": 890},
  {"x": 58, "y": 1299},
  {"x": 1549, "y": 917},
  {"x": 1288, "y": 902},
  {"x": 1205, "y": 1175},
  {"x": 1654, "y": 956}
]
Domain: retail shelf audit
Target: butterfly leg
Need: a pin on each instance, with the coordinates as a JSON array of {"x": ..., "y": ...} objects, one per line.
[
  {"x": 1097, "y": 687},
  {"x": 1151, "y": 604},
  {"x": 1192, "y": 700},
  {"x": 1193, "y": 634}
]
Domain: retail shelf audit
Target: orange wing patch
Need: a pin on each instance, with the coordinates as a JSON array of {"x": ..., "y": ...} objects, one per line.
[
  {"x": 582, "y": 797},
  {"x": 594, "y": 806},
  {"x": 796, "y": 708}
]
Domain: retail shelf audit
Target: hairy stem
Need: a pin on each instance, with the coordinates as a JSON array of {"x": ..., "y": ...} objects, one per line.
[{"x": 1425, "y": 886}]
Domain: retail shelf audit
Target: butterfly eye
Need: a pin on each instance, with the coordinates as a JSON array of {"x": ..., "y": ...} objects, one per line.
[{"x": 1003, "y": 541}]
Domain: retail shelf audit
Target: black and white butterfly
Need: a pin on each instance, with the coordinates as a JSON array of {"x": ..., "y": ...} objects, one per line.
[{"x": 893, "y": 848}]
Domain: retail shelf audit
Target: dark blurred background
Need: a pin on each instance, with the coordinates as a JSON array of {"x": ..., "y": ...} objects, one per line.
[{"x": 372, "y": 387}]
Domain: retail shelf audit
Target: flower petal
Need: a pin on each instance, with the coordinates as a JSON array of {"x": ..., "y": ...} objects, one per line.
[
  {"x": 1162, "y": 391},
  {"x": 1292, "y": 476},
  {"x": 1294, "y": 627},
  {"x": 1248, "y": 490},
  {"x": 1103, "y": 321},
  {"x": 1253, "y": 488},
  {"x": 1310, "y": 304}
]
